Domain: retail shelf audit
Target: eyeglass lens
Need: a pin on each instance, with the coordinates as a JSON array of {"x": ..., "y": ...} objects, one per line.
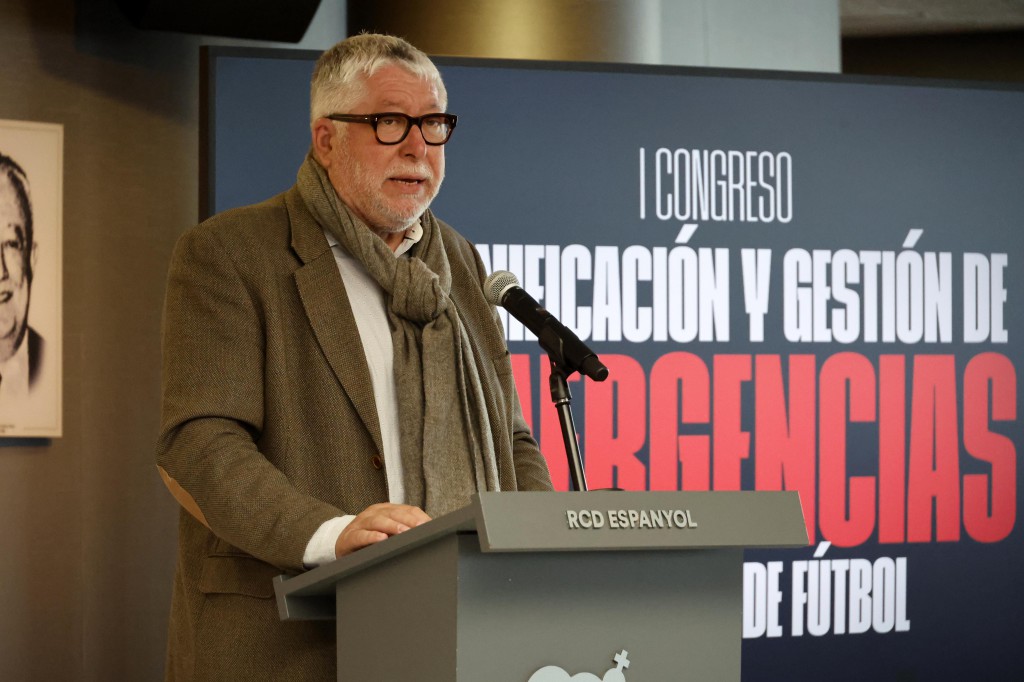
[{"x": 394, "y": 127}]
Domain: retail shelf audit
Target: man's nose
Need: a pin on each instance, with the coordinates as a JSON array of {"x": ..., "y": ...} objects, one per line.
[{"x": 414, "y": 144}]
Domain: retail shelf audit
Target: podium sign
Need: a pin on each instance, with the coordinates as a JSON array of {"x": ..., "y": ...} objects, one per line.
[{"x": 551, "y": 587}]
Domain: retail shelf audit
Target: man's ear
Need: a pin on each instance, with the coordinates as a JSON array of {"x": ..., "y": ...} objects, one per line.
[
  {"x": 325, "y": 137},
  {"x": 33, "y": 256}
]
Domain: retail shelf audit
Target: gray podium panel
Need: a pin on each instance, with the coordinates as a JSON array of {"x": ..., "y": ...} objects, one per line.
[
  {"x": 451, "y": 613},
  {"x": 401, "y": 617},
  {"x": 676, "y": 615}
]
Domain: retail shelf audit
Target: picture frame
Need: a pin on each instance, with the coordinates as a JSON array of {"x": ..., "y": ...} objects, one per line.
[{"x": 31, "y": 306}]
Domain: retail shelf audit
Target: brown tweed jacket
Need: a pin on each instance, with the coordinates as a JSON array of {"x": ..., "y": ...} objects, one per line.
[{"x": 269, "y": 429}]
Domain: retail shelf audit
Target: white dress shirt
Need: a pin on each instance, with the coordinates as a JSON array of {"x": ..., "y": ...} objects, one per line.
[{"x": 366, "y": 298}]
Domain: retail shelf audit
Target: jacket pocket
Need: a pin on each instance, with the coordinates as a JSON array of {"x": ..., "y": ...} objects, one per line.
[{"x": 237, "y": 574}]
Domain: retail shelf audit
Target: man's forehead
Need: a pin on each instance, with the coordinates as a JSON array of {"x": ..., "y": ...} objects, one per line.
[
  {"x": 394, "y": 86},
  {"x": 386, "y": 98}
]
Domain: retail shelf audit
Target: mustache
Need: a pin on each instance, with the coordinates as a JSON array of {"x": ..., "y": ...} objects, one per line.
[{"x": 420, "y": 170}]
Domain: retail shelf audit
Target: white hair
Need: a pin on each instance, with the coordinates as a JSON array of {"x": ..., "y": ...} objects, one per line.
[{"x": 339, "y": 77}]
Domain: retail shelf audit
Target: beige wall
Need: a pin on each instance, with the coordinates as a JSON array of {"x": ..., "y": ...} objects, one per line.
[
  {"x": 800, "y": 35},
  {"x": 86, "y": 529}
]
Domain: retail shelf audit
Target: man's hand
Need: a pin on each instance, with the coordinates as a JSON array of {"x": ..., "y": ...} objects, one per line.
[{"x": 375, "y": 523}]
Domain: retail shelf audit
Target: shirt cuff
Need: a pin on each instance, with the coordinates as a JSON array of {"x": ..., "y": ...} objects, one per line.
[{"x": 320, "y": 549}]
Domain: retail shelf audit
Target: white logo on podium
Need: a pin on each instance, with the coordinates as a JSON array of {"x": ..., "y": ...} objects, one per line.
[{"x": 552, "y": 673}]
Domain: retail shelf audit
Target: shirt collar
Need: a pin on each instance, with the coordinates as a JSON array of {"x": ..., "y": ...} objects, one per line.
[{"x": 412, "y": 236}]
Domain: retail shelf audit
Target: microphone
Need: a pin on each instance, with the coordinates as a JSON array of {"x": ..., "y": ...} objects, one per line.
[{"x": 502, "y": 288}]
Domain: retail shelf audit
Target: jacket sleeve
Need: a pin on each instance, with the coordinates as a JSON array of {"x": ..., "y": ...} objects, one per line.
[{"x": 208, "y": 451}]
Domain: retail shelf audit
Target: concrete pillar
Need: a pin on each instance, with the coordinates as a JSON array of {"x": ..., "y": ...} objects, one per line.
[{"x": 801, "y": 35}]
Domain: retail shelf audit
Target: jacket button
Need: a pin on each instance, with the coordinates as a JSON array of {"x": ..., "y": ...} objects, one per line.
[{"x": 377, "y": 462}]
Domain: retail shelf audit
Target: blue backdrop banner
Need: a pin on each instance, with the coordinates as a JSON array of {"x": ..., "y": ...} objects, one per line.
[{"x": 798, "y": 282}]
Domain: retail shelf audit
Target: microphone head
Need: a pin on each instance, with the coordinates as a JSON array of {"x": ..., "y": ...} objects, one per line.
[{"x": 497, "y": 285}]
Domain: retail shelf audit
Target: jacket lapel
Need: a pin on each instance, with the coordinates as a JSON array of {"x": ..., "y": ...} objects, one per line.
[{"x": 330, "y": 315}]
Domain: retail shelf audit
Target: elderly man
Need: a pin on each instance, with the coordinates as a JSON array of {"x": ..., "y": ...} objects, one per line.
[
  {"x": 332, "y": 372},
  {"x": 21, "y": 348}
]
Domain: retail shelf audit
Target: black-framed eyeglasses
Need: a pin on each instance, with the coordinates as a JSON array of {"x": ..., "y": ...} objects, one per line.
[{"x": 391, "y": 127}]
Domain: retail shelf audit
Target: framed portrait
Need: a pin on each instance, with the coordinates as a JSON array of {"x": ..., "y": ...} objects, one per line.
[{"x": 31, "y": 234}]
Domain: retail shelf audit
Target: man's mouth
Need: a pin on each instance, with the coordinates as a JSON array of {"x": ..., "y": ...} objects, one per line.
[{"x": 410, "y": 181}]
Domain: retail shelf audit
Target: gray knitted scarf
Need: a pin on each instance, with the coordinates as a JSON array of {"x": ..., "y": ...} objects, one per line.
[{"x": 446, "y": 442}]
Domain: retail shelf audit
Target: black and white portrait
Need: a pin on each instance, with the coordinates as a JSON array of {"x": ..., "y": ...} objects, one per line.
[{"x": 31, "y": 166}]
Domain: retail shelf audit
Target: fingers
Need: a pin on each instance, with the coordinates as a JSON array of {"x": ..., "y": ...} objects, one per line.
[
  {"x": 378, "y": 522},
  {"x": 350, "y": 541},
  {"x": 406, "y": 515}
]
